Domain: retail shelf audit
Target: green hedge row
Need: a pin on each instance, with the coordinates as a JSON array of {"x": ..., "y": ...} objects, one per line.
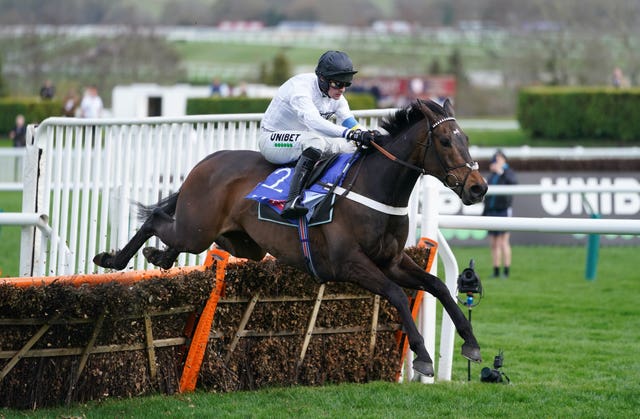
[
  {"x": 228, "y": 105},
  {"x": 574, "y": 113},
  {"x": 34, "y": 110}
]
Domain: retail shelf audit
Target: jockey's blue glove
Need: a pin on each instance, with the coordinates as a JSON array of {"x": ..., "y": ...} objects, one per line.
[{"x": 361, "y": 138}]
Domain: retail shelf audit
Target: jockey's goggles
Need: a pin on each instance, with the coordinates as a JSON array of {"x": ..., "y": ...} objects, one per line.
[{"x": 339, "y": 84}]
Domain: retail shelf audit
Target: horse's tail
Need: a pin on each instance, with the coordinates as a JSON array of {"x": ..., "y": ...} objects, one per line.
[{"x": 166, "y": 207}]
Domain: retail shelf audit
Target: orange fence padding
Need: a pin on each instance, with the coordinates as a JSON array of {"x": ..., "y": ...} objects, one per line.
[
  {"x": 93, "y": 279},
  {"x": 415, "y": 302}
]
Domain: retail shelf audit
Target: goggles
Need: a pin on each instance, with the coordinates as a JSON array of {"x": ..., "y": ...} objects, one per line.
[{"x": 339, "y": 84}]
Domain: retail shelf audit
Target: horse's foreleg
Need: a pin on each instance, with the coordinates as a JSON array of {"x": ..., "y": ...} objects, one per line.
[
  {"x": 119, "y": 259},
  {"x": 371, "y": 278},
  {"x": 409, "y": 275},
  {"x": 396, "y": 296}
]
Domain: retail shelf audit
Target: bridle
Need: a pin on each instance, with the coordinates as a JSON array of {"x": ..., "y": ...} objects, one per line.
[{"x": 450, "y": 179}]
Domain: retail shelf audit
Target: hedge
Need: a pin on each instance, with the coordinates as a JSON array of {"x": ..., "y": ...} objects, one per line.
[
  {"x": 229, "y": 105},
  {"x": 34, "y": 110},
  {"x": 50, "y": 372},
  {"x": 574, "y": 113}
]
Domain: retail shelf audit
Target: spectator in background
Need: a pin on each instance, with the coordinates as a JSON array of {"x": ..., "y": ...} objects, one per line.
[
  {"x": 48, "y": 90},
  {"x": 218, "y": 88},
  {"x": 91, "y": 105},
  {"x": 70, "y": 104},
  {"x": 500, "y": 206},
  {"x": 618, "y": 79},
  {"x": 19, "y": 133}
]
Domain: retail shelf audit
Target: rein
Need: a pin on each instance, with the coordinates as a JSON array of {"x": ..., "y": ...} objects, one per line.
[{"x": 395, "y": 159}]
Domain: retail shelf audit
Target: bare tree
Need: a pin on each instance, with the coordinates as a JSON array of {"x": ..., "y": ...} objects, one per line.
[
  {"x": 133, "y": 55},
  {"x": 621, "y": 21}
]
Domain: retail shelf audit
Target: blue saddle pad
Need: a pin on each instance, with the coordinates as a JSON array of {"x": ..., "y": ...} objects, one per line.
[{"x": 272, "y": 192}]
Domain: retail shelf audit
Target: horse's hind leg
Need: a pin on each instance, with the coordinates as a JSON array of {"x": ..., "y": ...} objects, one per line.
[
  {"x": 119, "y": 259},
  {"x": 161, "y": 258}
]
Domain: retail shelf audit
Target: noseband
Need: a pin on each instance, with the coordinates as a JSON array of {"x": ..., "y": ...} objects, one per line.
[{"x": 451, "y": 181}]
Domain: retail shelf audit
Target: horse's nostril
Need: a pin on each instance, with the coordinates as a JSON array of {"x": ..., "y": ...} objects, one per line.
[{"x": 478, "y": 190}]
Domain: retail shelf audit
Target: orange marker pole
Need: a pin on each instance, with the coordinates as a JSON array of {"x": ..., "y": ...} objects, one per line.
[
  {"x": 416, "y": 302},
  {"x": 203, "y": 329}
]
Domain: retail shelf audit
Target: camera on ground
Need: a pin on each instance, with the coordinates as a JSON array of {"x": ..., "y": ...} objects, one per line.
[{"x": 495, "y": 375}]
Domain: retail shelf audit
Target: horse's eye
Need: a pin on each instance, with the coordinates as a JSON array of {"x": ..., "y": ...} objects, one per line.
[{"x": 446, "y": 142}]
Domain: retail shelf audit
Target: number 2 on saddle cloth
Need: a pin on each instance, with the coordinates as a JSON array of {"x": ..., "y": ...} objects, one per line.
[{"x": 272, "y": 192}]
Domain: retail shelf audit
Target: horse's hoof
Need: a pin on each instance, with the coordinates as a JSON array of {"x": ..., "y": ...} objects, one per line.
[
  {"x": 103, "y": 259},
  {"x": 472, "y": 353},
  {"x": 148, "y": 252},
  {"x": 424, "y": 368},
  {"x": 154, "y": 256}
]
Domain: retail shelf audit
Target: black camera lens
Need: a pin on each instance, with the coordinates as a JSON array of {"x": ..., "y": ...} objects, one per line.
[{"x": 487, "y": 375}]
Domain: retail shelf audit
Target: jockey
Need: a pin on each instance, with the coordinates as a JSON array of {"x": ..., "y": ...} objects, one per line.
[{"x": 295, "y": 126}]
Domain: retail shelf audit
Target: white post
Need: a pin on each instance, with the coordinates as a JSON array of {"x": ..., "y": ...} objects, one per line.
[
  {"x": 30, "y": 241},
  {"x": 447, "y": 335},
  {"x": 429, "y": 230}
]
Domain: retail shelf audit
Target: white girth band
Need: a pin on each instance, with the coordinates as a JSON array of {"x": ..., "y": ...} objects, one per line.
[{"x": 368, "y": 202}]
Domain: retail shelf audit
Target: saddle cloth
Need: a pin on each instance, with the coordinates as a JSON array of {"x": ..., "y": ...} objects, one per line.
[{"x": 272, "y": 192}]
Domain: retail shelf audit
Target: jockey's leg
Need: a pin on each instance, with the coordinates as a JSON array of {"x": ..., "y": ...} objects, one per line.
[{"x": 293, "y": 208}]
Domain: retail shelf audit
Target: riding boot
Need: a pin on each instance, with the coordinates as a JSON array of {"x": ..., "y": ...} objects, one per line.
[{"x": 293, "y": 208}]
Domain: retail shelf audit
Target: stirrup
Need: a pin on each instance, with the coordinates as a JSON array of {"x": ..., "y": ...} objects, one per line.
[{"x": 292, "y": 209}]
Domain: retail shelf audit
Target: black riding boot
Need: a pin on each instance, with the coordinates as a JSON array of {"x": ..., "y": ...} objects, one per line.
[{"x": 304, "y": 166}]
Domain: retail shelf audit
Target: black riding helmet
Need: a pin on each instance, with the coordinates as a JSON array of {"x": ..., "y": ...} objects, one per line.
[{"x": 334, "y": 65}]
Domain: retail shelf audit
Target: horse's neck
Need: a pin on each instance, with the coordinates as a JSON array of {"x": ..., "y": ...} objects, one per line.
[{"x": 386, "y": 181}]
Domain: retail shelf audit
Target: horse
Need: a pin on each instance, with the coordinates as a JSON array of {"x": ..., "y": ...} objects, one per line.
[{"x": 362, "y": 245}]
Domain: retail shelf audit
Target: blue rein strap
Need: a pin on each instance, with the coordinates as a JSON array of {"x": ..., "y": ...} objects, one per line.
[{"x": 303, "y": 230}]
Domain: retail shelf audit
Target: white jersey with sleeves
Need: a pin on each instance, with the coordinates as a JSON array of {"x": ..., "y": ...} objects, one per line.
[{"x": 300, "y": 105}]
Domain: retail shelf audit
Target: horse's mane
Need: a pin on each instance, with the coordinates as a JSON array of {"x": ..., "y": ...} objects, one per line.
[{"x": 408, "y": 116}]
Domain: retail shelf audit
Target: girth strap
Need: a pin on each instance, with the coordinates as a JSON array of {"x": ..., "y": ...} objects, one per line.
[{"x": 303, "y": 231}]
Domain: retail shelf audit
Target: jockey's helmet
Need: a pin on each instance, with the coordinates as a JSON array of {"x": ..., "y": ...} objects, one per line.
[{"x": 336, "y": 66}]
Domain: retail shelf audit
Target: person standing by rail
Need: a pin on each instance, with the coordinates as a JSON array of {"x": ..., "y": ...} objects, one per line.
[{"x": 500, "y": 206}]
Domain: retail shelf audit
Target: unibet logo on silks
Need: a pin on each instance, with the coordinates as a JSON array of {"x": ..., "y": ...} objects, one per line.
[{"x": 284, "y": 137}]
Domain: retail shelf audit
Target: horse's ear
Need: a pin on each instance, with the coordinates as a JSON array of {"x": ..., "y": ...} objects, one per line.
[
  {"x": 448, "y": 107},
  {"x": 426, "y": 111}
]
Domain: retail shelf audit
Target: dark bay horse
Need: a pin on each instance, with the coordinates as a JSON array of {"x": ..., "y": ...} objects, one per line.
[{"x": 362, "y": 245}]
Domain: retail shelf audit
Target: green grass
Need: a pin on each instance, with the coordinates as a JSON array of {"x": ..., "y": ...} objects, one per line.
[
  {"x": 501, "y": 138},
  {"x": 517, "y": 138},
  {"x": 570, "y": 346},
  {"x": 10, "y": 235}
]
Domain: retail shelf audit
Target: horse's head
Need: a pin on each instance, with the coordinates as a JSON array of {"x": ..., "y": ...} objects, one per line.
[{"x": 447, "y": 153}]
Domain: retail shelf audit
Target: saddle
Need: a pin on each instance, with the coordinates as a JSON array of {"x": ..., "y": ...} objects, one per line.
[{"x": 271, "y": 193}]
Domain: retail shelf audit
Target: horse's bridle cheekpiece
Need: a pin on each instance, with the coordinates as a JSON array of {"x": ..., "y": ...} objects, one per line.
[{"x": 472, "y": 165}]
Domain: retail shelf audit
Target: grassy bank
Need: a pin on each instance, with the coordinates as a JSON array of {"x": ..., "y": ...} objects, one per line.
[{"x": 10, "y": 235}]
